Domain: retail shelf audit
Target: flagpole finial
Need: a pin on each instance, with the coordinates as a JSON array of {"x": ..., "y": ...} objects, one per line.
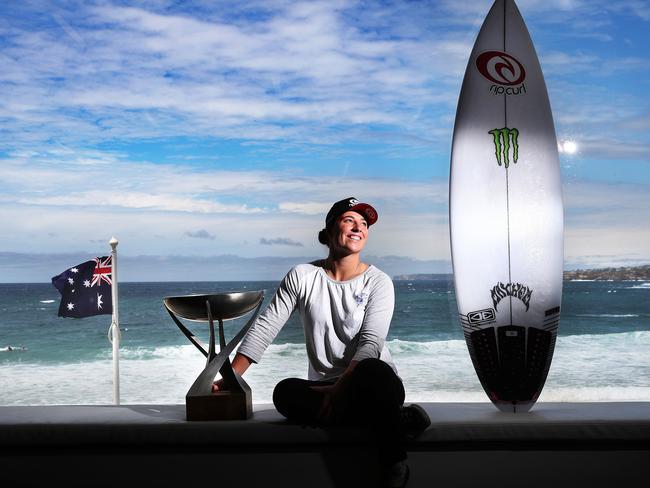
[{"x": 113, "y": 242}]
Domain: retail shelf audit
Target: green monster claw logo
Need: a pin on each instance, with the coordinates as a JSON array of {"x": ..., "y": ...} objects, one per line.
[{"x": 504, "y": 139}]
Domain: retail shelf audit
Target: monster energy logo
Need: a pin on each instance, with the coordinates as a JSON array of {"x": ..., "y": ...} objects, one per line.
[{"x": 504, "y": 140}]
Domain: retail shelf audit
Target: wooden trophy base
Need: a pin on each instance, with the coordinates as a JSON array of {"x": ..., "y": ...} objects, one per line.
[{"x": 222, "y": 405}]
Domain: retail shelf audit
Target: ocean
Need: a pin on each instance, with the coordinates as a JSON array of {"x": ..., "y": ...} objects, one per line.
[{"x": 602, "y": 353}]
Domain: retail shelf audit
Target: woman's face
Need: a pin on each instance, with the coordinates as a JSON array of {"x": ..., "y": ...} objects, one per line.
[{"x": 351, "y": 233}]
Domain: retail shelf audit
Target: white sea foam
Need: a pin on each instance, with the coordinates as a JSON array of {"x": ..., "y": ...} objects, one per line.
[
  {"x": 11, "y": 348},
  {"x": 607, "y": 315},
  {"x": 642, "y": 286},
  {"x": 610, "y": 367},
  {"x": 47, "y": 301},
  {"x": 549, "y": 394}
]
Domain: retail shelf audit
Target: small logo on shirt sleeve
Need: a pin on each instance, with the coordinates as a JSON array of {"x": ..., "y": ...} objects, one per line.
[{"x": 361, "y": 298}]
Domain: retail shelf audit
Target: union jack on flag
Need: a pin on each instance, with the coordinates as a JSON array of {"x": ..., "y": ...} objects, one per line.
[
  {"x": 86, "y": 289},
  {"x": 102, "y": 271}
]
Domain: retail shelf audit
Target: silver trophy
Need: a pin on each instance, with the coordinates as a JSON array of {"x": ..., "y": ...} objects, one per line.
[{"x": 234, "y": 401}]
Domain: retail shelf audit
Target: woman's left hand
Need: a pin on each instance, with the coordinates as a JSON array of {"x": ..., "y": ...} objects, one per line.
[
  {"x": 333, "y": 395},
  {"x": 330, "y": 396}
]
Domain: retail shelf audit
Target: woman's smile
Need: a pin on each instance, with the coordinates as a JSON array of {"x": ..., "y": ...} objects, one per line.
[{"x": 353, "y": 231}]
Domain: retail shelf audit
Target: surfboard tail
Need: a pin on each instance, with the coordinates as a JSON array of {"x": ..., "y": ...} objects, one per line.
[{"x": 512, "y": 363}]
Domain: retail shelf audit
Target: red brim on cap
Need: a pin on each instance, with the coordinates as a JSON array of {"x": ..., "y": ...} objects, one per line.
[{"x": 367, "y": 211}]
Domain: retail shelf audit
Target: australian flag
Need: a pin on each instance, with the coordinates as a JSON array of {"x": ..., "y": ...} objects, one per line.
[{"x": 86, "y": 289}]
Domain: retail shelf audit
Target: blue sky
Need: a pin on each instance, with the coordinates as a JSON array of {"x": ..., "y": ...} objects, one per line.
[{"x": 192, "y": 129}]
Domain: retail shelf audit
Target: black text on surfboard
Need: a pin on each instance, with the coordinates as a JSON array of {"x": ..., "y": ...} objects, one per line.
[
  {"x": 508, "y": 90},
  {"x": 516, "y": 290}
]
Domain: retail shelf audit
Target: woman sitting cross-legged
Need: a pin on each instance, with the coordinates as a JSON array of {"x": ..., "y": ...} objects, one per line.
[{"x": 346, "y": 308}]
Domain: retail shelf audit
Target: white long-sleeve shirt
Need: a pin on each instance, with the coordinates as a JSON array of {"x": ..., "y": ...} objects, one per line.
[{"x": 342, "y": 320}]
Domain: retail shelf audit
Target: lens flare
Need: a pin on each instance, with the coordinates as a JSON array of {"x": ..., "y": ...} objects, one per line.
[{"x": 569, "y": 147}]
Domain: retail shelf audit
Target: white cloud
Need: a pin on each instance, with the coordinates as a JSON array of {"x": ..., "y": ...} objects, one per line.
[
  {"x": 200, "y": 234},
  {"x": 240, "y": 208},
  {"x": 280, "y": 241},
  {"x": 304, "y": 63},
  {"x": 564, "y": 62},
  {"x": 607, "y": 206},
  {"x": 293, "y": 80},
  {"x": 158, "y": 202},
  {"x": 639, "y": 8},
  {"x": 300, "y": 72},
  {"x": 603, "y": 224},
  {"x": 306, "y": 208},
  {"x": 149, "y": 205},
  {"x": 615, "y": 149}
]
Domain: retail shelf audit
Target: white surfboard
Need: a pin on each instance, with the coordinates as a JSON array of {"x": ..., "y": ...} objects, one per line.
[{"x": 506, "y": 213}]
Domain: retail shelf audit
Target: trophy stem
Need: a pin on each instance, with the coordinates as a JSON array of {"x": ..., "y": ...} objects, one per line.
[{"x": 211, "y": 352}]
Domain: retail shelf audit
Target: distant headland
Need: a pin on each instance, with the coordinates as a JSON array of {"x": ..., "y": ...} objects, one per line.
[
  {"x": 422, "y": 277},
  {"x": 634, "y": 273}
]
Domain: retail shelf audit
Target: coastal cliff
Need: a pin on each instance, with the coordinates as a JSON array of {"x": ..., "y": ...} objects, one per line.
[
  {"x": 635, "y": 273},
  {"x": 421, "y": 277}
]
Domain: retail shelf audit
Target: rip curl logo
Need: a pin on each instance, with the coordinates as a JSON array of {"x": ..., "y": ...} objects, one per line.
[
  {"x": 353, "y": 202},
  {"x": 504, "y": 70},
  {"x": 515, "y": 290},
  {"x": 506, "y": 145},
  {"x": 501, "y": 68}
]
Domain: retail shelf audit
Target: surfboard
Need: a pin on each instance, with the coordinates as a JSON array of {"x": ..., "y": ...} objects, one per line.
[{"x": 506, "y": 213}]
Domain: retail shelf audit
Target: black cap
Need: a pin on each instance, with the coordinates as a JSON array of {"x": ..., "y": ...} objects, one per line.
[{"x": 351, "y": 203}]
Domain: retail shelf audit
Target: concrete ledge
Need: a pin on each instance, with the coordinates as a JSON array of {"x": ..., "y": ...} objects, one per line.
[
  {"x": 468, "y": 444},
  {"x": 622, "y": 423}
]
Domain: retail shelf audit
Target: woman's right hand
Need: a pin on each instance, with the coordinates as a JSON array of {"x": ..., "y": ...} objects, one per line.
[
  {"x": 218, "y": 386},
  {"x": 240, "y": 364}
]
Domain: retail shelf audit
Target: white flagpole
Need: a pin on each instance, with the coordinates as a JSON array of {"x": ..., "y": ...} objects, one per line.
[{"x": 114, "y": 330}]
